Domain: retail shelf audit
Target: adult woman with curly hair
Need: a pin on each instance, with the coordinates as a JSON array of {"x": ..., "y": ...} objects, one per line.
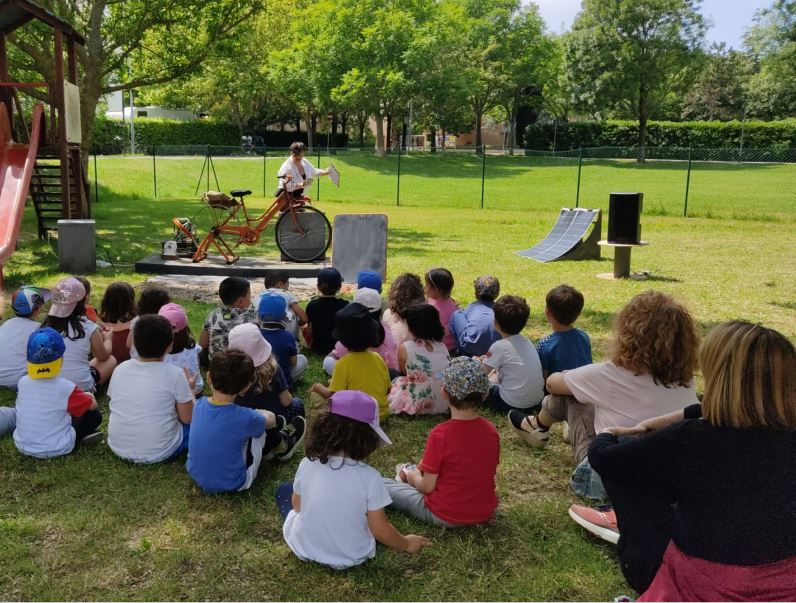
[
  {"x": 405, "y": 290},
  {"x": 650, "y": 373},
  {"x": 707, "y": 506}
]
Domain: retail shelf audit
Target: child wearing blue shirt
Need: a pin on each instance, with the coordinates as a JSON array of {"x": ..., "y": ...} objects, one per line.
[
  {"x": 566, "y": 347},
  {"x": 228, "y": 441},
  {"x": 272, "y": 312}
]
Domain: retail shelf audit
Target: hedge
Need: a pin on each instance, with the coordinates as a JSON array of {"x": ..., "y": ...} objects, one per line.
[
  {"x": 698, "y": 134},
  {"x": 168, "y": 135}
]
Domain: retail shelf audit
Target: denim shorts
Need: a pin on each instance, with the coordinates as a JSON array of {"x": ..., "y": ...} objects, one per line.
[{"x": 586, "y": 482}]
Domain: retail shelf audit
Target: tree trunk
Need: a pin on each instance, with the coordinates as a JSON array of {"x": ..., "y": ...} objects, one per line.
[
  {"x": 362, "y": 123},
  {"x": 379, "y": 134},
  {"x": 298, "y": 125},
  {"x": 388, "y": 144},
  {"x": 433, "y": 134},
  {"x": 333, "y": 133},
  {"x": 643, "y": 115},
  {"x": 312, "y": 129}
]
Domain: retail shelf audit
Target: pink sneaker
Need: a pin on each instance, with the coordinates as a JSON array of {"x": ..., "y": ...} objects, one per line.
[{"x": 600, "y": 521}]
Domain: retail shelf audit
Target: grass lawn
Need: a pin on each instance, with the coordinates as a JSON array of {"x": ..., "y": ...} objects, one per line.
[{"x": 90, "y": 526}]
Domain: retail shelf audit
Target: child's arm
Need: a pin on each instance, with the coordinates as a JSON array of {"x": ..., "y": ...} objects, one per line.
[
  {"x": 557, "y": 385},
  {"x": 300, "y": 313},
  {"x": 322, "y": 390},
  {"x": 423, "y": 482},
  {"x": 294, "y": 360},
  {"x": 204, "y": 339},
  {"x": 402, "y": 359},
  {"x": 385, "y": 532},
  {"x": 285, "y": 398},
  {"x": 80, "y": 403},
  {"x": 296, "y": 501},
  {"x": 101, "y": 345}
]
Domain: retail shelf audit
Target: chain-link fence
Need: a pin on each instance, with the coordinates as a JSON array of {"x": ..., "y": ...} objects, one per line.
[{"x": 728, "y": 183}]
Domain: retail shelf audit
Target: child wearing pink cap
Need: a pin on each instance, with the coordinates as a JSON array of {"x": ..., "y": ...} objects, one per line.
[
  {"x": 334, "y": 509},
  {"x": 184, "y": 350}
]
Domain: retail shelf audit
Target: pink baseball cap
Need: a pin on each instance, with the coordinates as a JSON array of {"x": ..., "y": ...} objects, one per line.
[
  {"x": 358, "y": 406},
  {"x": 247, "y": 338},
  {"x": 176, "y": 315},
  {"x": 66, "y": 295}
]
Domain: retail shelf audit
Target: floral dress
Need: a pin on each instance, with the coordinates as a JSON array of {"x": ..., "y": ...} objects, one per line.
[{"x": 420, "y": 390}]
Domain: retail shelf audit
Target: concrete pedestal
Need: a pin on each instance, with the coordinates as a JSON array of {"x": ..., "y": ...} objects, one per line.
[
  {"x": 77, "y": 249},
  {"x": 621, "y": 259}
]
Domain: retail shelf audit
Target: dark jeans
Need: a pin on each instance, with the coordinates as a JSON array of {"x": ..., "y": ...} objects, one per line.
[
  {"x": 296, "y": 409},
  {"x": 645, "y": 529},
  {"x": 186, "y": 433},
  {"x": 496, "y": 403},
  {"x": 86, "y": 424},
  {"x": 284, "y": 498}
]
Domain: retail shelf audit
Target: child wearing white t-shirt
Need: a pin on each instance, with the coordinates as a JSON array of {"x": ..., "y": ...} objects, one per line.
[
  {"x": 334, "y": 509},
  {"x": 512, "y": 362},
  {"x": 185, "y": 351},
  {"x": 27, "y": 303},
  {"x": 151, "y": 402}
]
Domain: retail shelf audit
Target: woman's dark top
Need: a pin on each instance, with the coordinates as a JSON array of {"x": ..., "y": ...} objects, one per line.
[{"x": 735, "y": 489}]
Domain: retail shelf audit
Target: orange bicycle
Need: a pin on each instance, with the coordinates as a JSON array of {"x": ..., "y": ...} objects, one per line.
[{"x": 303, "y": 233}]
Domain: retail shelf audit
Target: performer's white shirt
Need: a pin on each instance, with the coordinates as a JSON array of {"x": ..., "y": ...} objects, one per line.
[{"x": 289, "y": 167}]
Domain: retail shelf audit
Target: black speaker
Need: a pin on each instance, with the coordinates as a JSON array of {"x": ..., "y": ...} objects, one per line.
[{"x": 624, "y": 218}]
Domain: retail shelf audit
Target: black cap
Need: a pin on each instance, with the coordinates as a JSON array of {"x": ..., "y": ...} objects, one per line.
[
  {"x": 330, "y": 276},
  {"x": 354, "y": 327}
]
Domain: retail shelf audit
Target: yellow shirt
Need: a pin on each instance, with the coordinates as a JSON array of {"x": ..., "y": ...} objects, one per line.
[{"x": 365, "y": 372}]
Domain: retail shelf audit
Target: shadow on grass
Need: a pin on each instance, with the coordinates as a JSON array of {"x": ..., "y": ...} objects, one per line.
[
  {"x": 409, "y": 241},
  {"x": 786, "y": 305}
]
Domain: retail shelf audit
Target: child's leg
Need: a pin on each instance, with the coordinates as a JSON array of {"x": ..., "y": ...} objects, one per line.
[
  {"x": 495, "y": 402},
  {"x": 104, "y": 368},
  {"x": 284, "y": 498},
  {"x": 410, "y": 500},
  {"x": 580, "y": 418},
  {"x": 328, "y": 364},
  {"x": 301, "y": 366},
  {"x": 86, "y": 424},
  {"x": 253, "y": 456},
  {"x": 8, "y": 420}
]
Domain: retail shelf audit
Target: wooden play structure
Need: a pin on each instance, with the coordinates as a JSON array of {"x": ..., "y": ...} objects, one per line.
[{"x": 58, "y": 185}]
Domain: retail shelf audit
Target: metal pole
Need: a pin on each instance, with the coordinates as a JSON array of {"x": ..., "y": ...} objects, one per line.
[
  {"x": 580, "y": 164},
  {"x": 483, "y": 173},
  {"x": 96, "y": 184},
  {"x": 207, "y": 159},
  {"x": 155, "y": 170},
  {"x": 265, "y": 154},
  {"x": 398, "y": 188},
  {"x": 687, "y": 184},
  {"x": 743, "y": 128},
  {"x": 318, "y": 182}
]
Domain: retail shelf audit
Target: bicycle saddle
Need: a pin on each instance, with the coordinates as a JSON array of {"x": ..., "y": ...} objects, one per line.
[{"x": 239, "y": 193}]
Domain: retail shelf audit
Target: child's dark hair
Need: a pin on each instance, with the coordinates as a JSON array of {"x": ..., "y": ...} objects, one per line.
[
  {"x": 231, "y": 371},
  {"x": 152, "y": 335},
  {"x": 152, "y": 299},
  {"x": 329, "y": 287},
  {"x": 183, "y": 340},
  {"x": 381, "y": 335},
  {"x": 232, "y": 289},
  {"x": 332, "y": 435},
  {"x": 511, "y": 313},
  {"x": 274, "y": 277},
  {"x": 405, "y": 290},
  {"x": 118, "y": 303},
  {"x": 86, "y": 284},
  {"x": 441, "y": 279},
  {"x": 423, "y": 322},
  {"x": 74, "y": 320},
  {"x": 565, "y": 304},
  {"x": 471, "y": 400}
]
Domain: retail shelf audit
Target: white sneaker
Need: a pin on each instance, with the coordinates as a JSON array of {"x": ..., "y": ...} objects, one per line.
[{"x": 536, "y": 437}]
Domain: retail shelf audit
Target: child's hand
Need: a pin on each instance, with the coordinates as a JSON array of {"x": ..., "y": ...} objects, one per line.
[
  {"x": 415, "y": 543},
  {"x": 191, "y": 378}
]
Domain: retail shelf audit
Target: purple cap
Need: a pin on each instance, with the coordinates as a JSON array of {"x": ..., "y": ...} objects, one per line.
[{"x": 358, "y": 406}]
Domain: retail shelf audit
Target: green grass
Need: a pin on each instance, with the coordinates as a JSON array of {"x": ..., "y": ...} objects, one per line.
[
  {"x": 90, "y": 526},
  {"x": 453, "y": 179}
]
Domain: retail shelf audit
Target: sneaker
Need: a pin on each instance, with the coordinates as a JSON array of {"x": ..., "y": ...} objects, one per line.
[
  {"x": 401, "y": 469},
  {"x": 565, "y": 432},
  {"x": 600, "y": 521},
  {"x": 536, "y": 438},
  {"x": 293, "y": 435},
  {"x": 94, "y": 435}
]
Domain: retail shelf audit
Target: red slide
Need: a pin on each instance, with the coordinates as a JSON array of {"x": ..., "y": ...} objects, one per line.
[{"x": 16, "y": 168}]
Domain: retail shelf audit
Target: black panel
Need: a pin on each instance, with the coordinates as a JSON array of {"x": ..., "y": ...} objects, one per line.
[{"x": 624, "y": 218}]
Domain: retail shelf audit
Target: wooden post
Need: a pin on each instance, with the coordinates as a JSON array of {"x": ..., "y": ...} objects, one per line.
[
  {"x": 71, "y": 54},
  {"x": 6, "y": 92},
  {"x": 63, "y": 151}
]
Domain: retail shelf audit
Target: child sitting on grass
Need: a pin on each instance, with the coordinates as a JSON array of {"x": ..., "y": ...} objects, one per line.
[
  {"x": 454, "y": 483},
  {"x": 359, "y": 369},
  {"x": 405, "y": 290},
  {"x": 52, "y": 415},
  {"x": 334, "y": 509},
  {"x": 421, "y": 360},
  {"x": 236, "y": 309},
  {"x": 272, "y": 314},
  {"x": 228, "y": 441},
  {"x": 278, "y": 282},
  {"x": 321, "y": 311},
  {"x": 27, "y": 303},
  {"x": 184, "y": 352},
  {"x": 150, "y": 301},
  {"x": 566, "y": 347},
  {"x": 117, "y": 310},
  {"x": 512, "y": 362},
  {"x": 473, "y": 328},
  {"x": 438, "y": 287},
  {"x": 151, "y": 402}
]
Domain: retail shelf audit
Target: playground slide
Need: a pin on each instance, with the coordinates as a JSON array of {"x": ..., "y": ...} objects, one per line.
[{"x": 16, "y": 168}]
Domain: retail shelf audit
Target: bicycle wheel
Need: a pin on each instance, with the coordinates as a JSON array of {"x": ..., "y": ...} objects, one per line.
[{"x": 305, "y": 238}]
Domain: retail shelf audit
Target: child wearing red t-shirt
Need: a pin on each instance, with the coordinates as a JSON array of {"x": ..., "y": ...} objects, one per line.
[{"x": 454, "y": 483}]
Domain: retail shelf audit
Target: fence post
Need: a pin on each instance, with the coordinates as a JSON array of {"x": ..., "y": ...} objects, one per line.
[
  {"x": 265, "y": 154},
  {"x": 687, "y": 184},
  {"x": 155, "y": 170},
  {"x": 483, "y": 173},
  {"x": 318, "y": 182},
  {"x": 96, "y": 184},
  {"x": 580, "y": 164},
  {"x": 207, "y": 158},
  {"x": 398, "y": 187}
]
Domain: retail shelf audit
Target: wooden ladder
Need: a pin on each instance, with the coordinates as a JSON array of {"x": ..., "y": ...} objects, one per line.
[{"x": 47, "y": 193}]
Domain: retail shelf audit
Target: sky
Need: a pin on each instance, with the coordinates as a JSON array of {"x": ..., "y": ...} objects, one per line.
[{"x": 729, "y": 17}]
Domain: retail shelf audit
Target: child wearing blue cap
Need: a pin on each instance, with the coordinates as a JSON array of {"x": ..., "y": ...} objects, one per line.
[
  {"x": 27, "y": 303},
  {"x": 52, "y": 414},
  {"x": 273, "y": 313}
]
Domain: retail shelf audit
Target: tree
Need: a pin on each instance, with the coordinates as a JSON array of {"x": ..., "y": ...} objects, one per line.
[
  {"x": 133, "y": 44},
  {"x": 718, "y": 91},
  {"x": 629, "y": 56},
  {"x": 771, "y": 43}
]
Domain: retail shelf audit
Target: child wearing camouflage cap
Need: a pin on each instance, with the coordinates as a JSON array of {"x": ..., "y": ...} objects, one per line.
[{"x": 454, "y": 483}]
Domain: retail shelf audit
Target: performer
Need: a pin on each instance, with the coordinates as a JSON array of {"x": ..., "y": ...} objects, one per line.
[{"x": 296, "y": 173}]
